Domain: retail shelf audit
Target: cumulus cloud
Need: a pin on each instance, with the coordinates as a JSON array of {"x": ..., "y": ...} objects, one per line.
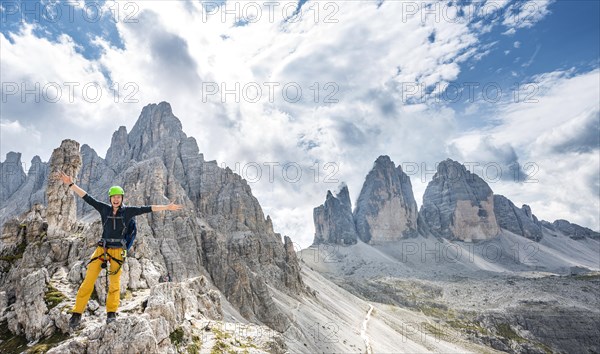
[
  {"x": 491, "y": 161},
  {"x": 553, "y": 129},
  {"x": 364, "y": 83},
  {"x": 525, "y": 14}
]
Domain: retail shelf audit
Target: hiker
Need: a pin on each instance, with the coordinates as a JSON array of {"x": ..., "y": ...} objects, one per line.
[{"x": 111, "y": 247}]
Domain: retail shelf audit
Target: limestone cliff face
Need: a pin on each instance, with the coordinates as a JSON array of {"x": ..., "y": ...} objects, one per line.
[
  {"x": 221, "y": 235},
  {"x": 12, "y": 174},
  {"x": 62, "y": 207},
  {"x": 33, "y": 247},
  {"x": 458, "y": 205},
  {"x": 18, "y": 195},
  {"x": 222, "y": 231},
  {"x": 334, "y": 223},
  {"x": 574, "y": 231},
  {"x": 386, "y": 209},
  {"x": 517, "y": 220}
]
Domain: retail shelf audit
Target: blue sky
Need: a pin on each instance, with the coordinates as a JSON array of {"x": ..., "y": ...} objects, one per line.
[{"x": 362, "y": 54}]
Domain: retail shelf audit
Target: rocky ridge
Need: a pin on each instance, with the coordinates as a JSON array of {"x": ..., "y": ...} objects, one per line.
[{"x": 221, "y": 241}]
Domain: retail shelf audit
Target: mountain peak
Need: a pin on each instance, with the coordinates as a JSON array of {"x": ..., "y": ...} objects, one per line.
[
  {"x": 157, "y": 121},
  {"x": 451, "y": 168},
  {"x": 383, "y": 161},
  {"x": 458, "y": 204},
  {"x": 333, "y": 219},
  {"x": 386, "y": 209},
  {"x": 13, "y": 157}
]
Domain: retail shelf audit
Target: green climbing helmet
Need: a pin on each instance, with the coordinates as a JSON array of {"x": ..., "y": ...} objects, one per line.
[{"x": 114, "y": 190}]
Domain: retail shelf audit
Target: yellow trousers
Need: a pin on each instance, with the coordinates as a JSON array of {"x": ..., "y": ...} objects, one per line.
[{"x": 114, "y": 280}]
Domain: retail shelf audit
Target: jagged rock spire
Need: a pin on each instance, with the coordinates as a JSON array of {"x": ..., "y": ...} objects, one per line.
[
  {"x": 386, "y": 209},
  {"x": 333, "y": 219}
]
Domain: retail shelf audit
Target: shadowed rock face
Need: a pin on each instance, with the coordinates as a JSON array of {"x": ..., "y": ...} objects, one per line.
[
  {"x": 386, "y": 209},
  {"x": 28, "y": 193},
  {"x": 566, "y": 329},
  {"x": 518, "y": 221},
  {"x": 574, "y": 231},
  {"x": 12, "y": 174},
  {"x": 458, "y": 205},
  {"x": 333, "y": 220}
]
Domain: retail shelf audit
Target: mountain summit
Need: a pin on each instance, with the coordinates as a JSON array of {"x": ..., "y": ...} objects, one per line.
[
  {"x": 222, "y": 234},
  {"x": 458, "y": 204}
]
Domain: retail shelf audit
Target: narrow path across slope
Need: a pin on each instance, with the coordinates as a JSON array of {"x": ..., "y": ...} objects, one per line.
[{"x": 363, "y": 331}]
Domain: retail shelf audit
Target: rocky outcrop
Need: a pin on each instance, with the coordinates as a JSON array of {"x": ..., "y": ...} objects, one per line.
[
  {"x": 32, "y": 191},
  {"x": 458, "y": 205},
  {"x": 221, "y": 234},
  {"x": 95, "y": 177},
  {"x": 12, "y": 174},
  {"x": 224, "y": 232},
  {"x": 574, "y": 231},
  {"x": 62, "y": 208},
  {"x": 334, "y": 223},
  {"x": 386, "y": 209},
  {"x": 518, "y": 221},
  {"x": 525, "y": 327},
  {"x": 176, "y": 317}
]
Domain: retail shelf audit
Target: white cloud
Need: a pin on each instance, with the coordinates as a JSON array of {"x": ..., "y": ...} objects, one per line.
[
  {"x": 14, "y": 134},
  {"x": 554, "y": 131},
  {"x": 525, "y": 14},
  {"x": 371, "y": 64}
]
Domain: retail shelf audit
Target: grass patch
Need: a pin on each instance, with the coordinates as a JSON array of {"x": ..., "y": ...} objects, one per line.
[
  {"x": 196, "y": 345},
  {"x": 595, "y": 276},
  {"x": 47, "y": 344},
  {"x": 221, "y": 347},
  {"x": 18, "y": 344},
  {"x": 435, "y": 330},
  {"x": 467, "y": 326},
  {"x": 504, "y": 330},
  {"x": 437, "y": 312},
  {"x": 244, "y": 345},
  {"x": 220, "y": 335},
  {"x": 10, "y": 342},
  {"x": 53, "y": 297},
  {"x": 176, "y": 336},
  {"x": 544, "y": 347},
  {"x": 17, "y": 254}
]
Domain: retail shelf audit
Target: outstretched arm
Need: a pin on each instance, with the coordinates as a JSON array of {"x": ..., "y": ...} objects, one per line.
[
  {"x": 170, "y": 206},
  {"x": 69, "y": 181}
]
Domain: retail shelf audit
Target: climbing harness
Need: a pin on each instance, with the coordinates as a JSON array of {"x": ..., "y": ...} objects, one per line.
[{"x": 106, "y": 257}]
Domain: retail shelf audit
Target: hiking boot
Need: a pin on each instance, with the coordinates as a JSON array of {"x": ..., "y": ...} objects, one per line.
[
  {"x": 110, "y": 316},
  {"x": 74, "y": 321}
]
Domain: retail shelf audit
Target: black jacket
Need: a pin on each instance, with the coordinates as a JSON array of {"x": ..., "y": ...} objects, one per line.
[{"x": 113, "y": 225}]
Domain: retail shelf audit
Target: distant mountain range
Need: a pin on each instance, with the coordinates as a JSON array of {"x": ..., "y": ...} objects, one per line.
[{"x": 457, "y": 205}]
